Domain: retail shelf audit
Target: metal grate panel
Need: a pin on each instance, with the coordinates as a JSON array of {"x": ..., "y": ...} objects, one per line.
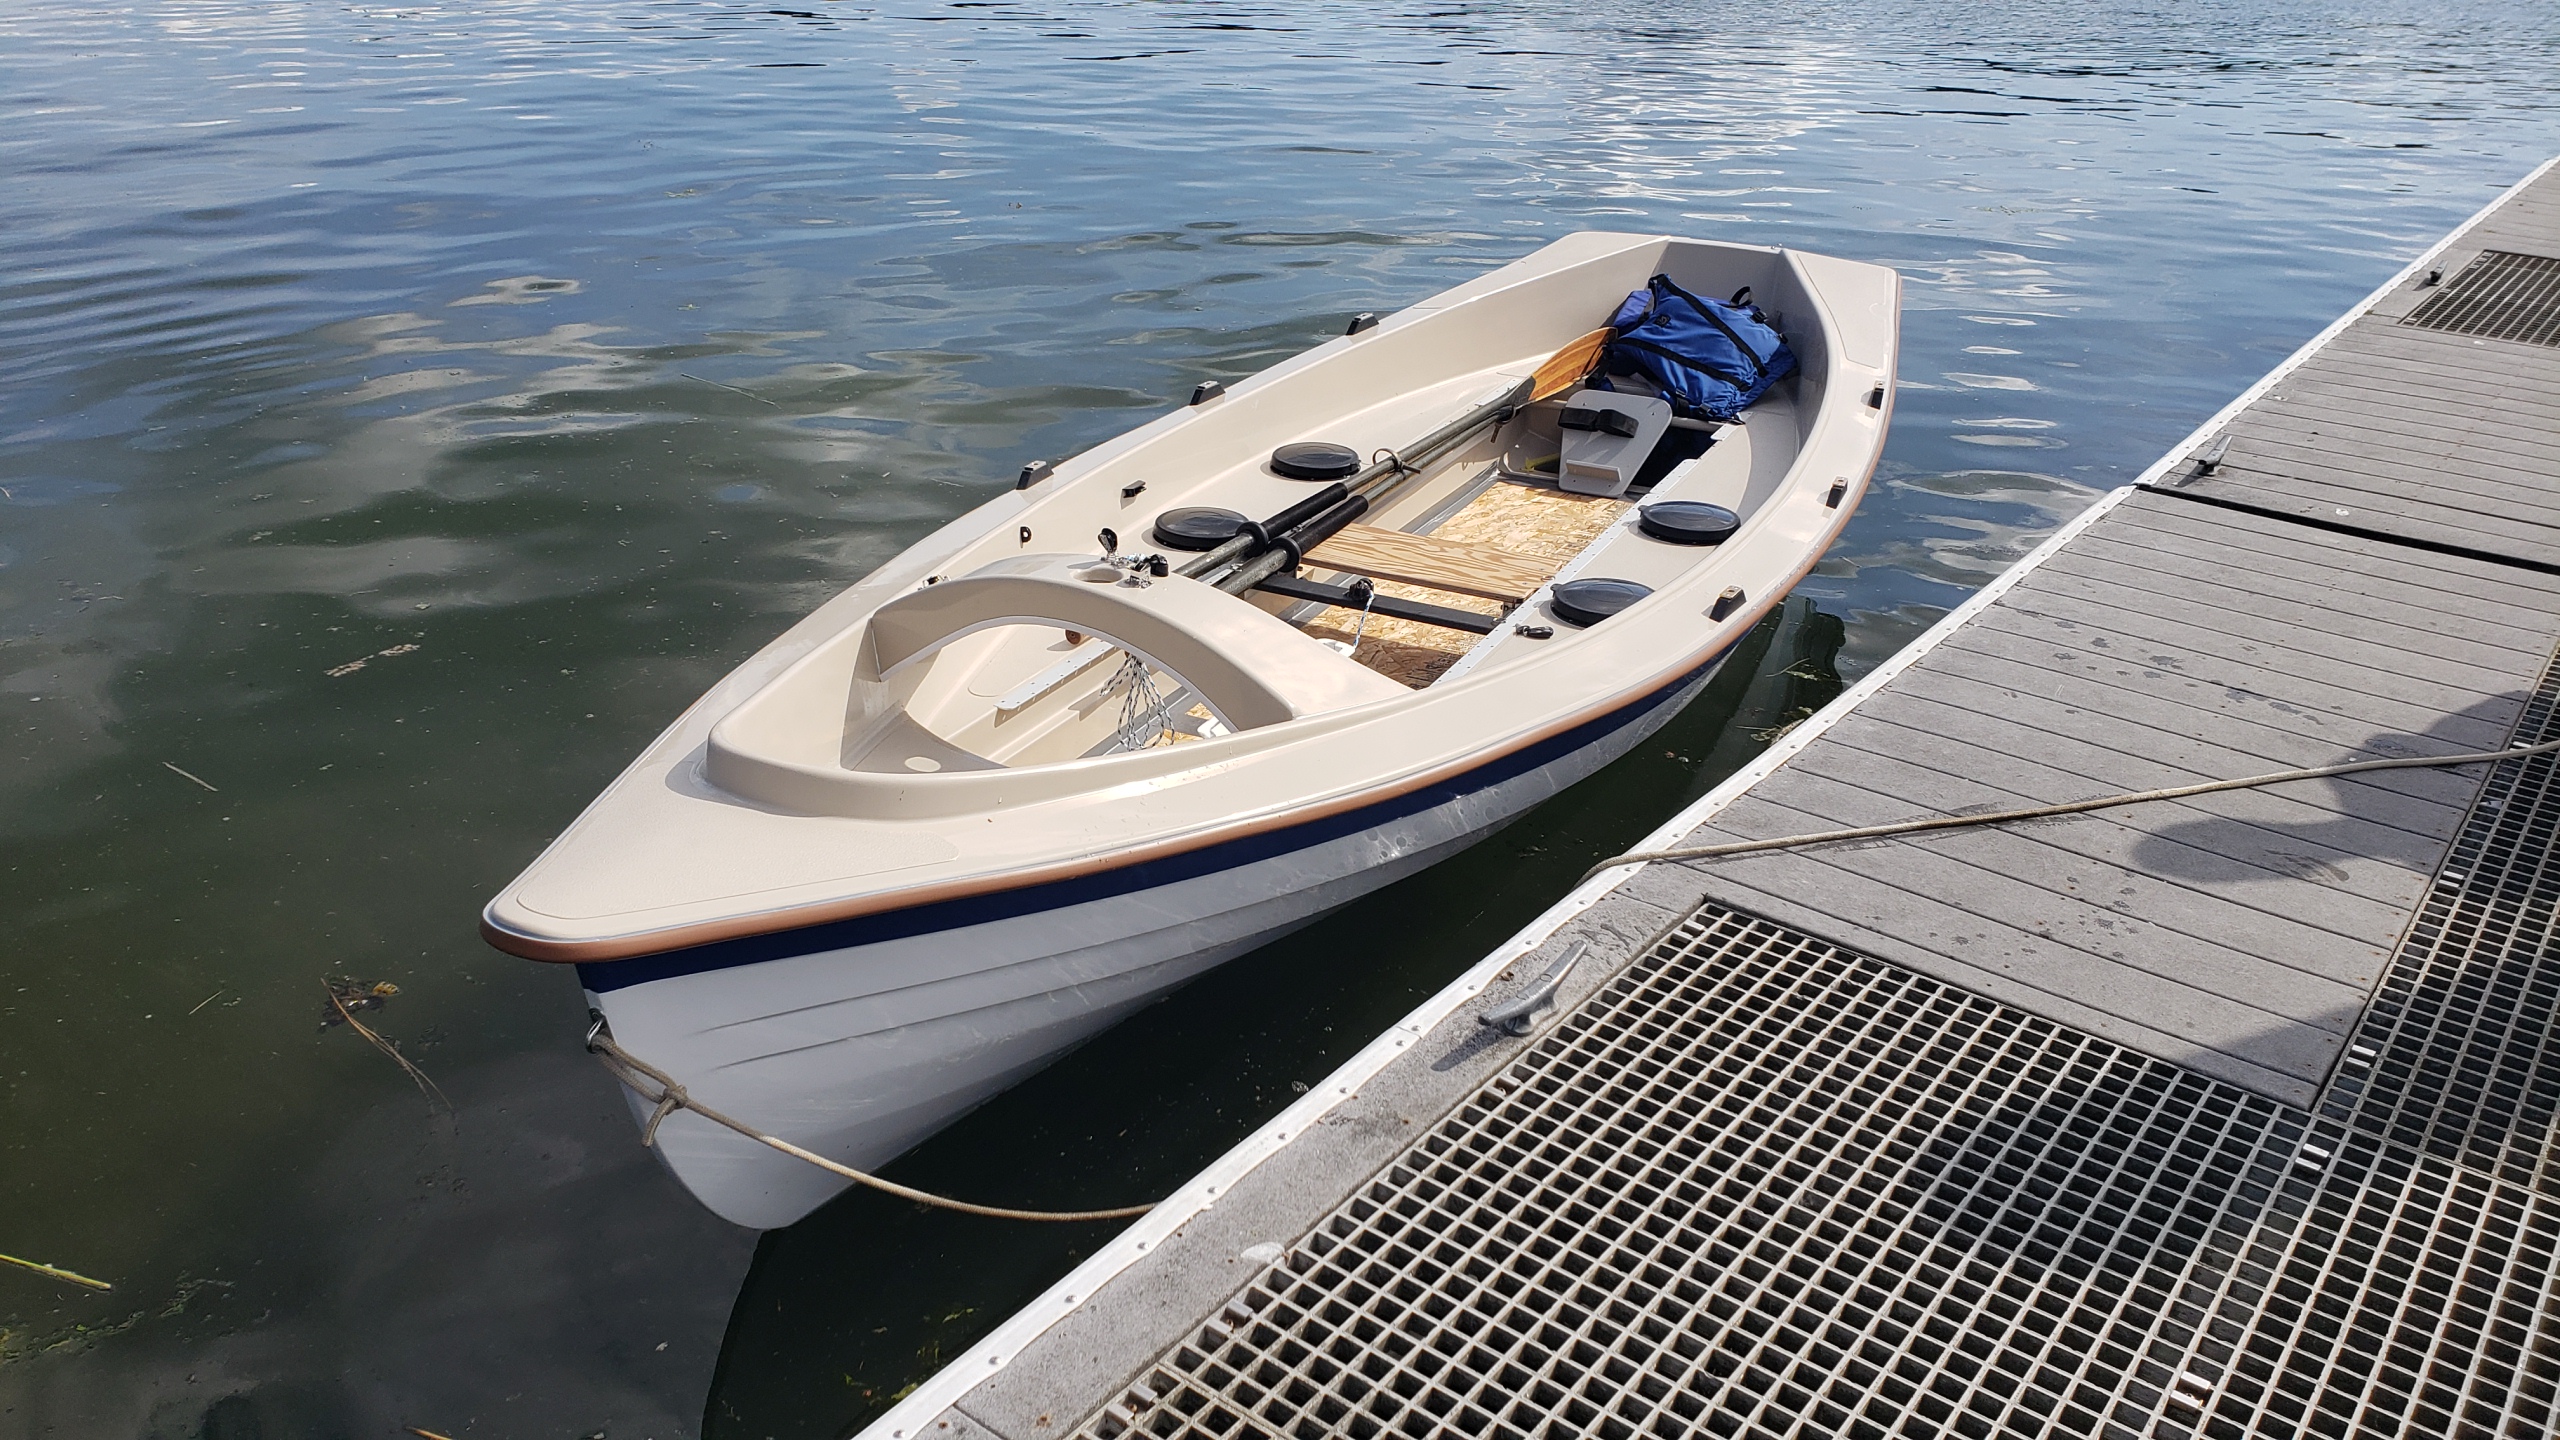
[
  {"x": 2419, "y": 1292},
  {"x": 2502, "y": 296},
  {"x": 1761, "y": 1186}
]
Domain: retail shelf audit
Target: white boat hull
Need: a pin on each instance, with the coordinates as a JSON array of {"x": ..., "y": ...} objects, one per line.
[{"x": 860, "y": 1051}]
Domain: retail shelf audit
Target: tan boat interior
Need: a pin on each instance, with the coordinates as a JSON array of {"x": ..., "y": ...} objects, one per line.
[
  {"x": 1481, "y": 530},
  {"x": 1099, "y": 654}
]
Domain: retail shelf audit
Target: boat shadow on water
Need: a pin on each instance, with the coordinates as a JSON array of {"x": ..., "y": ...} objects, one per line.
[{"x": 843, "y": 1312}]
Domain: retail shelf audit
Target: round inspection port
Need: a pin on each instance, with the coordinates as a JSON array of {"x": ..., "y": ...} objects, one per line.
[
  {"x": 1687, "y": 522},
  {"x": 1588, "y": 602},
  {"x": 1316, "y": 460},
  {"x": 1197, "y": 527}
]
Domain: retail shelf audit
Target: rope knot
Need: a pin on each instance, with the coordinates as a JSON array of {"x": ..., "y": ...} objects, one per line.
[{"x": 670, "y": 1100}]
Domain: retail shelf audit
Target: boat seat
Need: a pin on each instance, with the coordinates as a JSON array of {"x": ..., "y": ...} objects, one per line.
[
  {"x": 1456, "y": 566},
  {"x": 1252, "y": 668}
]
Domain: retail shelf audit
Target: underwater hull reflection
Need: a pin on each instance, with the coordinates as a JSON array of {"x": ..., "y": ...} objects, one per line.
[{"x": 858, "y": 1052}]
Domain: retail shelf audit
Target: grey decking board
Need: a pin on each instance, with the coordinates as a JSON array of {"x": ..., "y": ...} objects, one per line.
[
  {"x": 2420, "y": 523},
  {"x": 2281, "y": 895},
  {"x": 2282, "y": 540},
  {"x": 2284, "y": 740},
  {"x": 2480, "y": 363},
  {"x": 2439, "y": 437},
  {"x": 2456, "y": 467},
  {"x": 2393, "y": 393},
  {"x": 2348, "y": 418},
  {"x": 2215, "y": 995},
  {"x": 2269, "y": 814},
  {"x": 2173, "y": 525},
  {"x": 2388, "y": 384},
  {"x": 2370, "y": 503},
  {"x": 2154, "y": 621},
  {"x": 2375, "y": 505},
  {"x": 2502, "y": 492},
  {"x": 2403, "y": 360},
  {"x": 2016, "y": 876},
  {"x": 2381, "y": 620},
  {"x": 2214, "y": 758},
  {"x": 2038, "y": 969},
  {"x": 2460, "y": 357},
  {"x": 2295, "y": 647},
  {"x": 2174, "y": 512},
  {"x": 2248, "y": 859},
  {"x": 2054, "y": 648},
  {"x": 2406, "y": 407},
  {"x": 2401, "y": 363}
]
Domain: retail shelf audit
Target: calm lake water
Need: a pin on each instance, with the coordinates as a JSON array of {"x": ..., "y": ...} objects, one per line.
[{"x": 406, "y": 409}]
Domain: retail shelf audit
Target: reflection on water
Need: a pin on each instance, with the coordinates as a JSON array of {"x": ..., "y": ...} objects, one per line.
[{"x": 581, "y": 345}]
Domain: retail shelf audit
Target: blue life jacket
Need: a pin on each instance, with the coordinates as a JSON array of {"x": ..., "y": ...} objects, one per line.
[{"x": 1710, "y": 358}]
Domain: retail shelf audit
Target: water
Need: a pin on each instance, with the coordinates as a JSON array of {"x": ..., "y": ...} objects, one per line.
[{"x": 582, "y": 345}]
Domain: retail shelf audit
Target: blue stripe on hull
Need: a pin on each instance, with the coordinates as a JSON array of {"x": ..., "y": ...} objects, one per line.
[{"x": 604, "y": 975}]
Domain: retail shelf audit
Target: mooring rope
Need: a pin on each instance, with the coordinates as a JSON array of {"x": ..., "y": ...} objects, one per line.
[
  {"x": 670, "y": 1097},
  {"x": 659, "y": 1089},
  {"x": 2067, "y": 807}
]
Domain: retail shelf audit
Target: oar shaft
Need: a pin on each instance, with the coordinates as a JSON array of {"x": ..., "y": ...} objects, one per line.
[
  {"x": 1430, "y": 447},
  {"x": 1254, "y": 537},
  {"x": 1287, "y": 549},
  {"x": 1255, "y": 542}
]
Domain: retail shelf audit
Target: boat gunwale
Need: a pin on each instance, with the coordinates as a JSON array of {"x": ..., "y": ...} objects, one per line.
[{"x": 639, "y": 944}]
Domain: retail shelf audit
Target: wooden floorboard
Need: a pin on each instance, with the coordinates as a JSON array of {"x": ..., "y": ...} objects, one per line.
[{"x": 1452, "y": 565}]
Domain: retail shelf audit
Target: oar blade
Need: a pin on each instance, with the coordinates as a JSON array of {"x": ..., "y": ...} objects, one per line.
[{"x": 1566, "y": 367}]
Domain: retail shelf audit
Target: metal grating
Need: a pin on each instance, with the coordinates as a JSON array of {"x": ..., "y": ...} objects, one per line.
[
  {"x": 2418, "y": 1293},
  {"x": 2501, "y": 296},
  {"x": 1761, "y": 1186}
]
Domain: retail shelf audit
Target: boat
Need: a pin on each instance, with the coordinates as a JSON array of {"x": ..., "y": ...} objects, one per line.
[{"x": 1104, "y": 732}]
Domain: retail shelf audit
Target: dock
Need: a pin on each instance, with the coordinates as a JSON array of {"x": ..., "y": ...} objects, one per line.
[{"x": 2223, "y": 1116}]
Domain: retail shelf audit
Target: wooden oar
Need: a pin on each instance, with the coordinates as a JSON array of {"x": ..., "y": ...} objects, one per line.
[
  {"x": 1558, "y": 373},
  {"x": 1567, "y": 367},
  {"x": 1562, "y": 371}
]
